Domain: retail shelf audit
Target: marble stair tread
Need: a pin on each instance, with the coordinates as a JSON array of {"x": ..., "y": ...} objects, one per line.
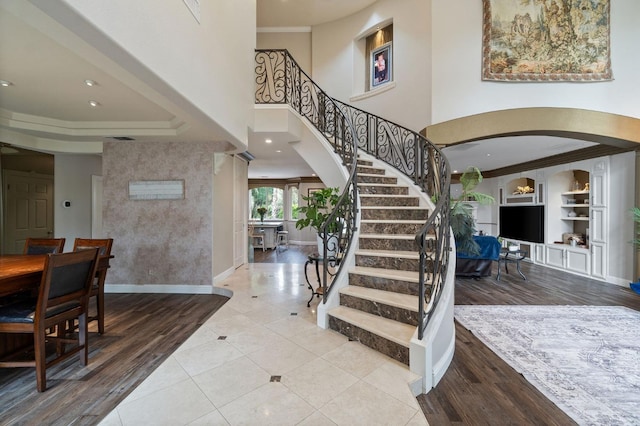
[
  {"x": 381, "y": 184},
  {"x": 386, "y": 196},
  {"x": 392, "y": 274},
  {"x": 389, "y": 298},
  {"x": 394, "y": 331},
  {"x": 374, "y": 170},
  {"x": 371, "y": 174},
  {"x": 395, "y": 208},
  {"x": 389, "y": 236},
  {"x": 407, "y": 221},
  {"x": 388, "y": 253},
  {"x": 374, "y": 175}
]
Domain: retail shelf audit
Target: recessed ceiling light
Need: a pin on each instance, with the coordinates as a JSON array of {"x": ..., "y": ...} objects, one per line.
[
  {"x": 268, "y": 141},
  {"x": 278, "y": 150},
  {"x": 94, "y": 104},
  {"x": 5, "y": 83},
  {"x": 91, "y": 83}
]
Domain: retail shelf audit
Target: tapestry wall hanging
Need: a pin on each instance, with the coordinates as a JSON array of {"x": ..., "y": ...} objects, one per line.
[{"x": 546, "y": 40}]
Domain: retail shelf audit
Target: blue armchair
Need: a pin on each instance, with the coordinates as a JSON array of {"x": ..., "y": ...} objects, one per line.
[{"x": 479, "y": 265}]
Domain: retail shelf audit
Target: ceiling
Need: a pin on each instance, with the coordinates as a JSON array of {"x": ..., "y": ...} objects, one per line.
[{"x": 48, "y": 101}]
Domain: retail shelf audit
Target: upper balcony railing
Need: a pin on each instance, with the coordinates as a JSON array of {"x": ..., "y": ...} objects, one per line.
[{"x": 279, "y": 80}]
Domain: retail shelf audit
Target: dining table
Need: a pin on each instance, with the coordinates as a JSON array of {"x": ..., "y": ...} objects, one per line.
[{"x": 21, "y": 273}]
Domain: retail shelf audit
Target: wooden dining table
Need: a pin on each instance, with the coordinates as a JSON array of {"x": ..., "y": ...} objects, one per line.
[
  {"x": 23, "y": 272},
  {"x": 20, "y": 272}
]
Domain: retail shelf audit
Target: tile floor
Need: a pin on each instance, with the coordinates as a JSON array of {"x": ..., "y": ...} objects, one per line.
[{"x": 262, "y": 360}]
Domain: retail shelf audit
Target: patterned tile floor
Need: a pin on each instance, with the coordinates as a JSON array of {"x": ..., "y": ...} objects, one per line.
[{"x": 262, "y": 360}]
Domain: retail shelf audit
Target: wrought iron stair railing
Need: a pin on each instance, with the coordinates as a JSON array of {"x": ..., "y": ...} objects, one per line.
[{"x": 280, "y": 80}]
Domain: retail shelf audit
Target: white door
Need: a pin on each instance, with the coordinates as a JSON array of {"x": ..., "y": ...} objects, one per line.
[{"x": 28, "y": 208}]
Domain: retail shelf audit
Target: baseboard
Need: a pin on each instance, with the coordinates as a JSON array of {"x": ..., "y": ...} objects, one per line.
[
  {"x": 225, "y": 274},
  {"x": 161, "y": 288}
]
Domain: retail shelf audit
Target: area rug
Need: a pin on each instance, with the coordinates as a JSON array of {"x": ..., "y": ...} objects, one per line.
[{"x": 586, "y": 359}]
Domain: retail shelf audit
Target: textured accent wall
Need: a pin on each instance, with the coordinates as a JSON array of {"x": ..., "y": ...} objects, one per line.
[{"x": 163, "y": 241}]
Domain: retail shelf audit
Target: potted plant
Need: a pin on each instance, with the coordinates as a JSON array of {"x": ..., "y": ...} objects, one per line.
[
  {"x": 462, "y": 223},
  {"x": 261, "y": 211},
  {"x": 320, "y": 204}
]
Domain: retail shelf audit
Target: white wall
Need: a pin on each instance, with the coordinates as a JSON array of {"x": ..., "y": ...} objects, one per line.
[
  {"x": 223, "y": 210},
  {"x": 193, "y": 64},
  {"x": 339, "y": 67},
  {"x": 621, "y": 227},
  {"x": 297, "y": 43},
  {"x": 72, "y": 176},
  {"x": 458, "y": 90}
]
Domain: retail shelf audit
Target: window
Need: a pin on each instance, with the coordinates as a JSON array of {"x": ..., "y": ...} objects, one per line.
[
  {"x": 294, "y": 203},
  {"x": 269, "y": 198}
]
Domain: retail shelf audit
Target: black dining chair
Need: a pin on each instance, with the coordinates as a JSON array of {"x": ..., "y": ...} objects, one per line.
[
  {"x": 63, "y": 296},
  {"x": 97, "y": 289},
  {"x": 43, "y": 245}
]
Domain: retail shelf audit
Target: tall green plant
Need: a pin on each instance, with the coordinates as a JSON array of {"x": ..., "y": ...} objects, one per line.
[
  {"x": 319, "y": 206},
  {"x": 462, "y": 223},
  {"x": 636, "y": 218}
]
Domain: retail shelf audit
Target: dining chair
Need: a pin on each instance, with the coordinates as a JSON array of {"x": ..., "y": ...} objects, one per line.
[
  {"x": 43, "y": 245},
  {"x": 257, "y": 237},
  {"x": 259, "y": 240},
  {"x": 282, "y": 239},
  {"x": 97, "y": 288},
  {"x": 63, "y": 295}
]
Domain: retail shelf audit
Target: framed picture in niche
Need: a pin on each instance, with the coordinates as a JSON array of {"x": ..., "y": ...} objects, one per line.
[{"x": 381, "y": 65}]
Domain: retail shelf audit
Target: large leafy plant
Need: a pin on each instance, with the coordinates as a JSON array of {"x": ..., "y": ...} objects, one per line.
[
  {"x": 319, "y": 206},
  {"x": 462, "y": 223},
  {"x": 636, "y": 218}
]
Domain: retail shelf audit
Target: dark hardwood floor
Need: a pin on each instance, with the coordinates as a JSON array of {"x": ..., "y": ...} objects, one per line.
[
  {"x": 143, "y": 329},
  {"x": 479, "y": 388}
]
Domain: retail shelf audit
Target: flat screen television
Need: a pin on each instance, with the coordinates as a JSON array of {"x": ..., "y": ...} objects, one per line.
[{"x": 524, "y": 223}]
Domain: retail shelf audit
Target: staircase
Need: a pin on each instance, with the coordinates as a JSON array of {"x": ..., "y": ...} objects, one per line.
[{"x": 379, "y": 307}]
